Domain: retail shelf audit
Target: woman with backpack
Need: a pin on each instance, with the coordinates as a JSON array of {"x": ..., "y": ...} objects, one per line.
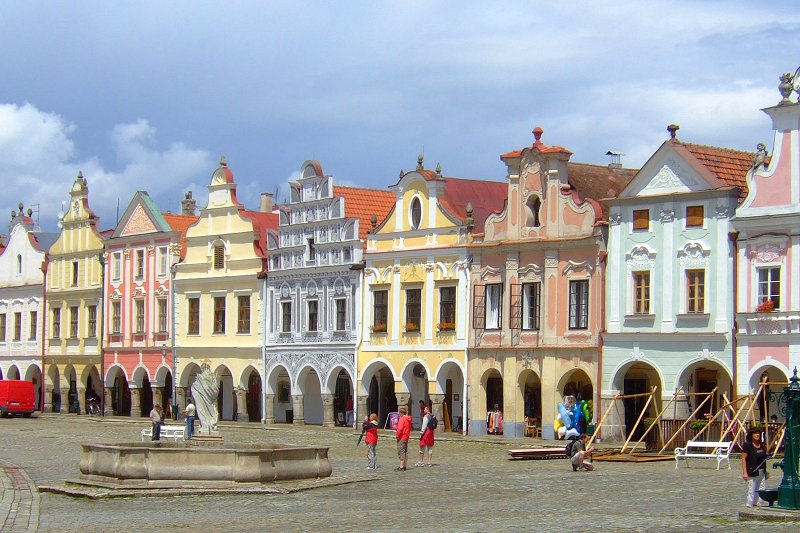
[{"x": 426, "y": 442}]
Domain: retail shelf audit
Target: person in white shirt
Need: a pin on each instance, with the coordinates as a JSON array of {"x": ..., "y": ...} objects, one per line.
[{"x": 190, "y": 412}]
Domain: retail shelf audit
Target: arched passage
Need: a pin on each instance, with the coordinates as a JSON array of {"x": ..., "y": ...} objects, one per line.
[
  {"x": 34, "y": 375},
  {"x": 251, "y": 381},
  {"x": 54, "y": 385},
  {"x": 340, "y": 384},
  {"x": 71, "y": 378},
  {"x": 141, "y": 381},
  {"x": 378, "y": 385},
  {"x": 13, "y": 372},
  {"x": 415, "y": 382},
  {"x": 490, "y": 401},
  {"x": 308, "y": 381},
  {"x": 529, "y": 391},
  {"x": 638, "y": 378},
  {"x": 775, "y": 379},
  {"x": 699, "y": 378},
  {"x": 120, "y": 392},
  {"x": 279, "y": 386},
  {"x": 450, "y": 382},
  {"x": 226, "y": 398}
]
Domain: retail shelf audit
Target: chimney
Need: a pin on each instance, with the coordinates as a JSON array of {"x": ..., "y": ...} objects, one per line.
[
  {"x": 266, "y": 202},
  {"x": 188, "y": 204},
  {"x": 616, "y": 161}
]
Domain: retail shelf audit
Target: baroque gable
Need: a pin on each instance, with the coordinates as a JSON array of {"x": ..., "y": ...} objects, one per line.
[{"x": 139, "y": 222}]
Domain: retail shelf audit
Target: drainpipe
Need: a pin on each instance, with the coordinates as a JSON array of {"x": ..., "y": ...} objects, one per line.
[
  {"x": 172, "y": 270},
  {"x": 102, "y": 260},
  {"x": 43, "y": 336},
  {"x": 263, "y": 333},
  {"x": 601, "y": 331},
  {"x": 733, "y": 237}
]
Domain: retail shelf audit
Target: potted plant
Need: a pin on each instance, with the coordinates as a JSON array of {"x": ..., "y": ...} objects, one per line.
[
  {"x": 767, "y": 306},
  {"x": 378, "y": 328},
  {"x": 447, "y": 326},
  {"x": 411, "y": 327}
]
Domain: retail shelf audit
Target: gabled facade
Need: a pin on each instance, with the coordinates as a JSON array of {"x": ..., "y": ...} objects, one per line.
[
  {"x": 768, "y": 260},
  {"x": 313, "y": 295},
  {"x": 74, "y": 285},
  {"x": 537, "y": 286},
  {"x": 21, "y": 299},
  {"x": 669, "y": 309},
  {"x": 139, "y": 256},
  {"x": 416, "y": 296},
  {"x": 218, "y": 306}
]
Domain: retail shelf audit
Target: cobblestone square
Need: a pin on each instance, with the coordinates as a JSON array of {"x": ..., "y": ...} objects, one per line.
[{"x": 472, "y": 487}]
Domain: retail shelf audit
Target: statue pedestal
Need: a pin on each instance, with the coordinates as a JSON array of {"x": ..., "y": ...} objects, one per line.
[{"x": 205, "y": 440}]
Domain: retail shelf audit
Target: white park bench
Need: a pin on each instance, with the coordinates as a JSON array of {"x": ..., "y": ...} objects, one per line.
[
  {"x": 174, "y": 432},
  {"x": 721, "y": 451}
]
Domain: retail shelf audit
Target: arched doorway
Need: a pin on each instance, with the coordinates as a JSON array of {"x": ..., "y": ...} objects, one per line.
[
  {"x": 767, "y": 406},
  {"x": 378, "y": 385},
  {"x": 72, "y": 394},
  {"x": 530, "y": 390},
  {"x": 142, "y": 381},
  {"x": 13, "y": 372},
  {"x": 415, "y": 382},
  {"x": 308, "y": 382},
  {"x": 634, "y": 379},
  {"x": 226, "y": 398},
  {"x": 492, "y": 401},
  {"x": 699, "y": 379},
  {"x": 34, "y": 375},
  {"x": 279, "y": 385},
  {"x": 54, "y": 382},
  {"x": 120, "y": 392},
  {"x": 252, "y": 384},
  {"x": 341, "y": 386},
  {"x": 450, "y": 382}
]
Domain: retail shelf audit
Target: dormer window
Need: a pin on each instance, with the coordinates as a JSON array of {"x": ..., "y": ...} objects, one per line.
[
  {"x": 219, "y": 256},
  {"x": 19, "y": 264},
  {"x": 74, "y": 273},
  {"x": 416, "y": 213}
]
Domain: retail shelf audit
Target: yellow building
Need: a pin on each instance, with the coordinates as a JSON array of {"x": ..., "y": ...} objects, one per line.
[
  {"x": 218, "y": 319},
  {"x": 74, "y": 292},
  {"x": 416, "y": 296}
]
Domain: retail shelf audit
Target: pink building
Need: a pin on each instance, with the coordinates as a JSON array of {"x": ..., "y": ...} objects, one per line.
[
  {"x": 537, "y": 290},
  {"x": 768, "y": 257},
  {"x": 137, "y": 362}
]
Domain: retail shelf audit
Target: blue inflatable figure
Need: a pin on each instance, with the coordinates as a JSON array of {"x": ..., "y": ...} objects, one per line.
[{"x": 570, "y": 415}]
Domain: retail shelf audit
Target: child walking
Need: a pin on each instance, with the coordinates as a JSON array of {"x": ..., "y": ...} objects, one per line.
[{"x": 371, "y": 431}]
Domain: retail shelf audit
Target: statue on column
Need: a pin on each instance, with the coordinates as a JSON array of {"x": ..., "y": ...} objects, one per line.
[{"x": 204, "y": 392}]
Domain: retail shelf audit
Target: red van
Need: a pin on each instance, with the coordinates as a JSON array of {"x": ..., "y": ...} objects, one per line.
[{"x": 16, "y": 397}]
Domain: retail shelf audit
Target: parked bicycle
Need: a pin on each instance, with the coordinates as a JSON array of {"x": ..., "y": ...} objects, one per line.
[{"x": 93, "y": 408}]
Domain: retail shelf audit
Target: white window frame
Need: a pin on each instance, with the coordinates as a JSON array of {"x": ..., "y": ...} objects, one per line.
[
  {"x": 116, "y": 266},
  {"x": 494, "y": 306},
  {"x": 757, "y": 285},
  {"x": 163, "y": 261}
]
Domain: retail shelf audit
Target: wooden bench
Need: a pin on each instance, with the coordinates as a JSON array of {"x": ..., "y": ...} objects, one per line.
[
  {"x": 721, "y": 451},
  {"x": 174, "y": 432}
]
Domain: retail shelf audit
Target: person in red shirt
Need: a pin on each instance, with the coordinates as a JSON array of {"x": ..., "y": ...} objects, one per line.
[
  {"x": 402, "y": 434},
  {"x": 371, "y": 432}
]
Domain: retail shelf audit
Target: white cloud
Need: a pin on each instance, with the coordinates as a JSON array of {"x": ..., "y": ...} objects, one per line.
[{"x": 38, "y": 164}]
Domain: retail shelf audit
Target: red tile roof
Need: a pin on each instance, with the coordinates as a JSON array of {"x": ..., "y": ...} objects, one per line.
[
  {"x": 598, "y": 181},
  {"x": 180, "y": 223},
  {"x": 486, "y": 197},
  {"x": 363, "y": 203},
  {"x": 729, "y": 166},
  {"x": 262, "y": 223},
  {"x": 538, "y": 145}
]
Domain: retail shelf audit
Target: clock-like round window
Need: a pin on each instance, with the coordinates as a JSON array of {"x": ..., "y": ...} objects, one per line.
[{"x": 416, "y": 213}]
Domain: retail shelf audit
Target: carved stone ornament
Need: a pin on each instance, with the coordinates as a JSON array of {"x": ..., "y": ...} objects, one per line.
[
  {"x": 640, "y": 258},
  {"x": 530, "y": 271},
  {"x": 311, "y": 289},
  {"x": 667, "y": 215},
  {"x": 615, "y": 219},
  {"x": 723, "y": 211},
  {"x": 530, "y": 165},
  {"x": 693, "y": 255},
  {"x": 551, "y": 262},
  {"x": 671, "y": 176},
  {"x": 769, "y": 253},
  {"x": 285, "y": 291},
  {"x": 577, "y": 266}
]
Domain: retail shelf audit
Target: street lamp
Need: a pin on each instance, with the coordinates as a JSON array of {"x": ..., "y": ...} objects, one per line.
[
  {"x": 164, "y": 355},
  {"x": 172, "y": 270}
]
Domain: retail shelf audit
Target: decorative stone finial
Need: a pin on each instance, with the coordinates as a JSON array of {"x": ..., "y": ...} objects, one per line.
[
  {"x": 20, "y": 206},
  {"x": 402, "y": 173},
  {"x": 30, "y": 212},
  {"x": 374, "y": 221},
  {"x": 537, "y": 134},
  {"x": 786, "y": 87},
  {"x": 469, "y": 221},
  {"x": 673, "y": 131},
  {"x": 188, "y": 195},
  {"x": 438, "y": 169},
  {"x": 223, "y": 161},
  {"x": 760, "y": 158},
  {"x": 420, "y": 161},
  {"x": 13, "y": 215}
]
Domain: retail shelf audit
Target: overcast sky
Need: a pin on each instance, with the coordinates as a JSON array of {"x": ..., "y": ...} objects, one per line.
[{"x": 148, "y": 95}]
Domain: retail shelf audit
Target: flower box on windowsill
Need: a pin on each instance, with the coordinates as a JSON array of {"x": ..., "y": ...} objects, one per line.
[
  {"x": 412, "y": 328},
  {"x": 160, "y": 336},
  {"x": 447, "y": 326},
  {"x": 767, "y": 306},
  {"x": 378, "y": 328}
]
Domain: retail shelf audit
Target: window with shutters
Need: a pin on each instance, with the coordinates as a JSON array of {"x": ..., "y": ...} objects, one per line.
[
  {"x": 479, "y": 307},
  {"x": 73, "y": 322},
  {"x": 641, "y": 220},
  {"x": 56, "y": 327},
  {"x": 341, "y": 314},
  {"x": 641, "y": 293},
  {"x": 515, "y": 306},
  {"x": 33, "y": 326},
  {"x": 243, "y": 322},
  {"x": 91, "y": 321},
  {"x": 194, "y": 317},
  {"x": 139, "y": 325},
  {"x": 219, "y": 314},
  {"x": 413, "y": 309},
  {"x": 494, "y": 305},
  {"x": 531, "y": 305},
  {"x": 380, "y": 299},
  {"x": 219, "y": 256},
  {"x": 695, "y": 291},
  {"x": 579, "y": 304},
  {"x": 313, "y": 315},
  {"x": 116, "y": 312},
  {"x": 694, "y": 216}
]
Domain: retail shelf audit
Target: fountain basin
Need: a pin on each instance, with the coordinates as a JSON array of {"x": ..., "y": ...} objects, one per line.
[
  {"x": 768, "y": 495},
  {"x": 167, "y": 464}
]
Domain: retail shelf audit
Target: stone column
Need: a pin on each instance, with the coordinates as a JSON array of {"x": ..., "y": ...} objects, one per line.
[
  {"x": 436, "y": 405},
  {"x": 108, "y": 393},
  {"x": 327, "y": 411},
  {"x": 297, "y": 405},
  {"x": 158, "y": 396},
  {"x": 48, "y": 400},
  {"x": 269, "y": 409},
  {"x": 363, "y": 411},
  {"x": 241, "y": 405},
  {"x": 64, "y": 400},
  {"x": 403, "y": 398},
  {"x": 81, "y": 400},
  {"x": 180, "y": 392},
  {"x": 136, "y": 404}
]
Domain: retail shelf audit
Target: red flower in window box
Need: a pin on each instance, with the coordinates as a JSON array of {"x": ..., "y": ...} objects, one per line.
[{"x": 767, "y": 306}]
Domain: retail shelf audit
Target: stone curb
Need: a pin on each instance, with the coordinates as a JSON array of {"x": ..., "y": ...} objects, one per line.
[{"x": 770, "y": 514}]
